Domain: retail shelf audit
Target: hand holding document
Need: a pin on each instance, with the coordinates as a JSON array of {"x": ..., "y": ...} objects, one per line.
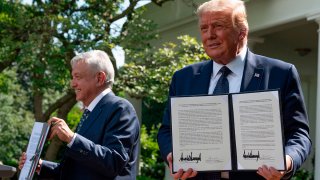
[
  {"x": 201, "y": 134},
  {"x": 258, "y": 130},
  {"x": 231, "y": 132},
  {"x": 34, "y": 149}
]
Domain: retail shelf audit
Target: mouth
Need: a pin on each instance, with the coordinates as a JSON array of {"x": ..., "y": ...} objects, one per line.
[{"x": 214, "y": 45}]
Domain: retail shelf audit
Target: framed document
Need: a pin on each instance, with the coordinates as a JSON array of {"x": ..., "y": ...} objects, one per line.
[
  {"x": 34, "y": 149},
  {"x": 232, "y": 132}
]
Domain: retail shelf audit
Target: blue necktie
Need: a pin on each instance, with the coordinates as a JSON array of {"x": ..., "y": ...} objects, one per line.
[
  {"x": 84, "y": 116},
  {"x": 223, "y": 83},
  {"x": 221, "y": 88}
]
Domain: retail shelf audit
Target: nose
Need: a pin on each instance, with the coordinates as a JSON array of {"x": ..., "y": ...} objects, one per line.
[
  {"x": 73, "y": 83},
  {"x": 212, "y": 32}
]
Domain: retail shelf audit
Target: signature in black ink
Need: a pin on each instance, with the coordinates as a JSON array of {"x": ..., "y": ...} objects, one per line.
[
  {"x": 190, "y": 158},
  {"x": 250, "y": 155}
]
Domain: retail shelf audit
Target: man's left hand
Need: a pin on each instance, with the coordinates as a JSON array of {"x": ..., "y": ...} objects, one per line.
[{"x": 270, "y": 173}]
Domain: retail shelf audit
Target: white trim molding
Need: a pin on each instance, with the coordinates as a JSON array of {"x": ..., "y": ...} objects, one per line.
[{"x": 316, "y": 17}]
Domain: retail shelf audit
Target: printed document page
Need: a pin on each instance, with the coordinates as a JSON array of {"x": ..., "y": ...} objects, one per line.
[
  {"x": 201, "y": 133},
  {"x": 258, "y": 130}
]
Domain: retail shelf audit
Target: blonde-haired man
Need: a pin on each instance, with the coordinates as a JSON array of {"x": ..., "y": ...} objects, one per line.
[{"x": 224, "y": 32}]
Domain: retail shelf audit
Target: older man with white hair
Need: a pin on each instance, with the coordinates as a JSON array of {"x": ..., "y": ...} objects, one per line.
[{"x": 105, "y": 144}]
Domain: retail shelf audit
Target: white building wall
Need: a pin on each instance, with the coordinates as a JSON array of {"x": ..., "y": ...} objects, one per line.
[{"x": 264, "y": 14}]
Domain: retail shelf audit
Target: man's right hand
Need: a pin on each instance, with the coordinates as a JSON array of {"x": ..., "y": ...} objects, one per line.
[
  {"x": 23, "y": 159},
  {"x": 60, "y": 129},
  {"x": 180, "y": 174}
]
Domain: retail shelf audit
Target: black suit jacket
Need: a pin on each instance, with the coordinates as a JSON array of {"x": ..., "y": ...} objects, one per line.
[
  {"x": 106, "y": 147},
  {"x": 260, "y": 73}
]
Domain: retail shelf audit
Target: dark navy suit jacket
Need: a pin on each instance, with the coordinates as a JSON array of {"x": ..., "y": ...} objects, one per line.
[
  {"x": 106, "y": 147},
  {"x": 260, "y": 73}
]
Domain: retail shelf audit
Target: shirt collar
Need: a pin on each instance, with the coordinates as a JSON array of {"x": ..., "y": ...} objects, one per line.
[
  {"x": 236, "y": 65},
  {"x": 93, "y": 104}
]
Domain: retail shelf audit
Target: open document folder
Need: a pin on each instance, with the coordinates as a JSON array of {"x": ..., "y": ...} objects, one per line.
[
  {"x": 229, "y": 132},
  {"x": 36, "y": 141}
]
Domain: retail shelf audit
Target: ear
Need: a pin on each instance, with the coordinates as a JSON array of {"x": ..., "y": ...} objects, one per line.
[
  {"x": 242, "y": 34},
  {"x": 101, "y": 78}
]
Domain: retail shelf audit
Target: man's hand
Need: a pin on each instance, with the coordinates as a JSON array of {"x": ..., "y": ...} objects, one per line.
[
  {"x": 23, "y": 159},
  {"x": 61, "y": 129},
  {"x": 271, "y": 173},
  {"x": 180, "y": 174}
]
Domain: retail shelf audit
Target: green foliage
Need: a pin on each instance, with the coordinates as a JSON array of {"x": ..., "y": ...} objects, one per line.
[
  {"x": 38, "y": 40},
  {"x": 152, "y": 112},
  {"x": 15, "y": 121},
  {"x": 4, "y": 83},
  {"x": 149, "y": 72},
  {"x": 303, "y": 174},
  {"x": 138, "y": 33},
  {"x": 151, "y": 166},
  {"x": 74, "y": 117}
]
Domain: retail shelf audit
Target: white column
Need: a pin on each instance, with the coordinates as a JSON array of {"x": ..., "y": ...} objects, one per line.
[{"x": 316, "y": 144}]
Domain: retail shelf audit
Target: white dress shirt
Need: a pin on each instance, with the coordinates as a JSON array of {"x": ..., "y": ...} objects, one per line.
[{"x": 234, "y": 78}]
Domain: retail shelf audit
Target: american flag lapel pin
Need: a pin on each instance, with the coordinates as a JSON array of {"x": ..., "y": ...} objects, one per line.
[{"x": 256, "y": 75}]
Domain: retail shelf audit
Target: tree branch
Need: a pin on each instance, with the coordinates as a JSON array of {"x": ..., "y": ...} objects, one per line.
[
  {"x": 129, "y": 10},
  {"x": 113, "y": 61},
  {"x": 160, "y": 2},
  {"x": 5, "y": 64},
  {"x": 66, "y": 107},
  {"x": 59, "y": 103}
]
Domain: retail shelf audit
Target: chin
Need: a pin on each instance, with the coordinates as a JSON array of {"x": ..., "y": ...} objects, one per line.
[
  {"x": 215, "y": 56},
  {"x": 78, "y": 98}
]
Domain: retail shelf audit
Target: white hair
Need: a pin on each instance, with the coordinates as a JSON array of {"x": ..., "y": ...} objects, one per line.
[
  {"x": 237, "y": 7},
  {"x": 98, "y": 61}
]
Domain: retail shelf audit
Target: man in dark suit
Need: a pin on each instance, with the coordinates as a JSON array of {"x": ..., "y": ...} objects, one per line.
[
  {"x": 224, "y": 31},
  {"x": 105, "y": 145}
]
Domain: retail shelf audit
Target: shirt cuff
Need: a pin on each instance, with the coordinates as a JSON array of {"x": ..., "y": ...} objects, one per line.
[
  {"x": 72, "y": 140},
  {"x": 289, "y": 172}
]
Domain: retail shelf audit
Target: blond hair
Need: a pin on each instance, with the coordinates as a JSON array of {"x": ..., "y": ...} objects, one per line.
[{"x": 236, "y": 7}]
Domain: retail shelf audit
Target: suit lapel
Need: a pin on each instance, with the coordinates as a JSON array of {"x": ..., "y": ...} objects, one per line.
[
  {"x": 202, "y": 78},
  {"x": 252, "y": 74},
  {"x": 94, "y": 115}
]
